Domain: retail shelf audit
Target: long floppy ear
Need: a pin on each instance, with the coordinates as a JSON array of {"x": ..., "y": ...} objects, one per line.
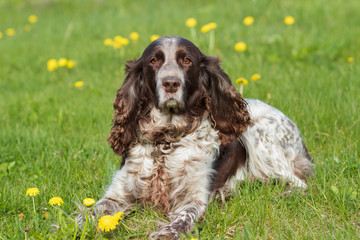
[
  {"x": 127, "y": 106},
  {"x": 228, "y": 110}
]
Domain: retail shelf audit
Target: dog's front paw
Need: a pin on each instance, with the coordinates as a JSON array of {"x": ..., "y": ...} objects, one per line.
[
  {"x": 80, "y": 221},
  {"x": 165, "y": 233},
  {"x": 82, "y": 218}
]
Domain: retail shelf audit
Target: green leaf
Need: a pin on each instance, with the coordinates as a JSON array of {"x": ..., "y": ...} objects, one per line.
[{"x": 334, "y": 189}]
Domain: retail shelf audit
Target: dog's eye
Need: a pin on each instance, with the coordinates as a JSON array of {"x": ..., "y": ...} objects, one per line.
[
  {"x": 187, "y": 61},
  {"x": 154, "y": 61}
]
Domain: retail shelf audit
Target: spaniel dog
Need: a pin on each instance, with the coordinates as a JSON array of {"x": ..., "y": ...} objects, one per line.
[{"x": 184, "y": 132}]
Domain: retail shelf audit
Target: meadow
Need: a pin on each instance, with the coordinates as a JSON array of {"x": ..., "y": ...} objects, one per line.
[{"x": 54, "y": 120}]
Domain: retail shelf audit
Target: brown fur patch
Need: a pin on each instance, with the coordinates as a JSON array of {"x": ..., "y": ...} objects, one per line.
[
  {"x": 231, "y": 157},
  {"x": 158, "y": 193},
  {"x": 228, "y": 110},
  {"x": 168, "y": 132},
  {"x": 303, "y": 168}
]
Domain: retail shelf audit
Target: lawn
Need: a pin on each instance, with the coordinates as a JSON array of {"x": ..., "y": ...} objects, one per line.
[{"x": 53, "y": 132}]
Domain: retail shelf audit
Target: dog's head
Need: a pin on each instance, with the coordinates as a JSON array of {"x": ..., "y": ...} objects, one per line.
[
  {"x": 174, "y": 76},
  {"x": 171, "y": 68}
]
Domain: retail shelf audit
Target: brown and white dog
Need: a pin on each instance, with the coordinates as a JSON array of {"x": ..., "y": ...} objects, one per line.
[{"x": 184, "y": 133}]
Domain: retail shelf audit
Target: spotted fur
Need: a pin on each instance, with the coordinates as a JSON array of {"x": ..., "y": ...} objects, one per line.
[
  {"x": 274, "y": 148},
  {"x": 186, "y": 134}
]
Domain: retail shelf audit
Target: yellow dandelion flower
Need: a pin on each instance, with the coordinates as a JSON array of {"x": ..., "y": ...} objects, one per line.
[
  {"x": 242, "y": 81},
  {"x": 52, "y": 65},
  {"x": 70, "y": 64},
  {"x": 193, "y": 239},
  {"x": 27, "y": 27},
  {"x": 32, "y": 18},
  {"x": 208, "y": 27},
  {"x": 46, "y": 215},
  {"x": 117, "y": 38},
  {"x": 121, "y": 40},
  {"x": 32, "y": 191},
  {"x": 56, "y": 201},
  {"x": 79, "y": 84},
  {"x": 118, "y": 216},
  {"x": 191, "y": 22},
  {"x": 107, "y": 223},
  {"x": 248, "y": 20},
  {"x": 108, "y": 42},
  {"x": 255, "y": 77},
  {"x": 21, "y": 216},
  {"x": 240, "y": 46},
  {"x": 134, "y": 36},
  {"x": 350, "y": 59},
  {"x": 289, "y": 20},
  {"x": 125, "y": 41},
  {"x": 154, "y": 37},
  {"x": 268, "y": 96},
  {"x": 212, "y": 25},
  {"x": 205, "y": 29},
  {"x": 62, "y": 62},
  {"x": 10, "y": 32},
  {"x": 116, "y": 44},
  {"x": 88, "y": 201},
  {"x": 1, "y": 35}
]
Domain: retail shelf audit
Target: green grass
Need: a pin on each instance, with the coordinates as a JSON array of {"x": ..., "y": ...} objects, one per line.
[{"x": 53, "y": 135}]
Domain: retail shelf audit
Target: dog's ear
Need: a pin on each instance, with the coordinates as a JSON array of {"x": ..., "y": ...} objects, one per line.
[
  {"x": 228, "y": 110},
  {"x": 127, "y": 107}
]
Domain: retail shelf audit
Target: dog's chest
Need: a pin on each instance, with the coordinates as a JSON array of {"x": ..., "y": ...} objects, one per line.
[{"x": 162, "y": 173}]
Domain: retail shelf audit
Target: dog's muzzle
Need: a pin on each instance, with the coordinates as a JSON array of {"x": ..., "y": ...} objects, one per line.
[
  {"x": 172, "y": 106},
  {"x": 171, "y": 84}
]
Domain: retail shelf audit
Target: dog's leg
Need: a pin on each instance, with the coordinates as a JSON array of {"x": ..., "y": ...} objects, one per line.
[
  {"x": 116, "y": 199},
  {"x": 182, "y": 221},
  {"x": 275, "y": 149},
  {"x": 128, "y": 184}
]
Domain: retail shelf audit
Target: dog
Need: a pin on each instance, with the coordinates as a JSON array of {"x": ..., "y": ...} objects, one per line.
[{"x": 185, "y": 133}]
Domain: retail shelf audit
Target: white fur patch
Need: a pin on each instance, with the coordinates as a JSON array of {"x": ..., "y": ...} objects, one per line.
[
  {"x": 170, "y": 68},
  {"x": 187, "y": 165},
  {"x": 273, "y": 146}
]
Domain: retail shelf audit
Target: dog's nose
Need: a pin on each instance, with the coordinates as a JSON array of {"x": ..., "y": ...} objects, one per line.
[{"x": 171, "y": 84}]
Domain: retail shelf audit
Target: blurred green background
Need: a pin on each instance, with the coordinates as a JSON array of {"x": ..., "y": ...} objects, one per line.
[{"x": 53, "y": 134}]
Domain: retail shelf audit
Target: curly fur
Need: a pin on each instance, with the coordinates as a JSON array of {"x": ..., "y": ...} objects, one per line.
[
  {"x": 230, "y": 119},
  {"x": 211, "y": 94},
  {"x": 185, "y": 133}
]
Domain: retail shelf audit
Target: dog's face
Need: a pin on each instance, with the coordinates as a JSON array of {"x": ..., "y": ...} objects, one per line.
[
  {"x": 174, "y": 76},
  {"x": 171, "y": 69}
]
